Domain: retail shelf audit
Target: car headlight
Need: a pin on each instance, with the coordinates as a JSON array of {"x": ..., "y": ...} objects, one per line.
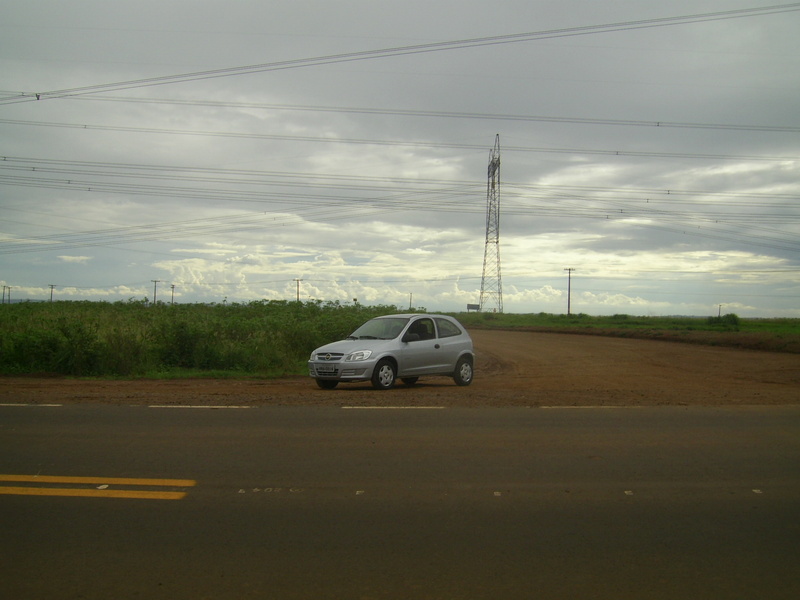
[{"x": 359, "y": 355}]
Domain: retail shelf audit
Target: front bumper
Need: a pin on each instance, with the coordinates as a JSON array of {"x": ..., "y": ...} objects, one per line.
[{"x": 341, "y": 370}]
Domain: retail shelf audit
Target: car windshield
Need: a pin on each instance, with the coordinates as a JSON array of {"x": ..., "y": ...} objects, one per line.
[{"x": 379, "y": 329}]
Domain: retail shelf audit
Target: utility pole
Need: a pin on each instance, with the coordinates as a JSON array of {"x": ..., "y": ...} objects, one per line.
[
  {"x": 4, "y": 293},
  {"x": 569, "y": 290},
  {"x": 173, "y": 294},
  {"x": 298, "y": 288},
  {"x": 51, "y": 291},
  {"x": 155, "y": 289}
]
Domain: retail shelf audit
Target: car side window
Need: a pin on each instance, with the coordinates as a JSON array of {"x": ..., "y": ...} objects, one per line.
[
  {"x": 447, "y": 328},
  {"x": 423, "y": 328}
]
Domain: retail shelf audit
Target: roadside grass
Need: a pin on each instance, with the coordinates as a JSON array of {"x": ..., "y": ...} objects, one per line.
[
  {"x": 774, "y": 335},
  {"x": 269, "y": 339},
  {"x": 133, "y": 339}
]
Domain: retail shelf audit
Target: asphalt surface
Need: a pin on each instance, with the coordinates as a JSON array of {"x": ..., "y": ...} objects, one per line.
[{"x": 301, "y": 502}]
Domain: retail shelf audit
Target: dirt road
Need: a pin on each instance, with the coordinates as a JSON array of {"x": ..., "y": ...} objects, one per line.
[{"x": 512, "y": 369}]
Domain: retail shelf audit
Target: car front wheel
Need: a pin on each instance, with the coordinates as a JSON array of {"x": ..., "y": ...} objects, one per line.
[
  {"x": 463, "y": 372},
  {"x": 384, "y": 375}
]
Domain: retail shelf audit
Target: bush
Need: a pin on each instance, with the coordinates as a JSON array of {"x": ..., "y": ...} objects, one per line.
[
  {"x": 729, "y": 321},
  {"x": 132, "y": 338},
  {"x": 79, "y": 349}
]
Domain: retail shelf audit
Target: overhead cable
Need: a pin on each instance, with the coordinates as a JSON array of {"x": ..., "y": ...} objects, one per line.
[{"x": 404, "y": 51}]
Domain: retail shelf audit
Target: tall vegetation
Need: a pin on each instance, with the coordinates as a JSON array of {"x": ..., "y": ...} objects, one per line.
[{"x": 133, "y": 338}]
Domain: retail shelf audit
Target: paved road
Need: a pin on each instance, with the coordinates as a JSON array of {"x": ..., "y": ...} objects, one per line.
[{"x": 358, "y": 503}]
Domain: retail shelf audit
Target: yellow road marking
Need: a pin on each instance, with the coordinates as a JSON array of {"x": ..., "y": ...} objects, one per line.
[
  {"x": 89, "y": 493},
  {"x": 98, "y": 480},
  {"x": 103, "y": 482}
]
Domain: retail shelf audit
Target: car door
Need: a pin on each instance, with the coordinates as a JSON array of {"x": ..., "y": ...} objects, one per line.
[
  {"x": 452, "y": 342},
  {"x": 420, "y": 356}
]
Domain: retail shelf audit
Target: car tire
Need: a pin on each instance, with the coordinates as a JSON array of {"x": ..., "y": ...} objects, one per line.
[
  {"x": 384, "y": 375},
  {"x": 463, "y": 373},
  {"x": 327, "y": 384},
  {"x": 410, "y": 380}
]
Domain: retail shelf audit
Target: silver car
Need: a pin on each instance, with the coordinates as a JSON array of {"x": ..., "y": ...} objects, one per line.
[{"x": 396, "y": 346}]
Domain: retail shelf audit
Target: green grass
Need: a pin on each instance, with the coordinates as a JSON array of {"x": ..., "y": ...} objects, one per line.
[
  {"x": 728, "y": 322},
  {"x": 132, "y": 339},
  {"x": 777, "y": 335}
]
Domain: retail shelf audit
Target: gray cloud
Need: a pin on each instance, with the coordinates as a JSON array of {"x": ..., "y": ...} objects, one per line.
[{"x": 661, "y": 163}]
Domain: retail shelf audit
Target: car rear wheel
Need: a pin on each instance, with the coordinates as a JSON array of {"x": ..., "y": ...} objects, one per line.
[
  {"x": 463, "y": 372},
  {"x": 384, "y": 375}
]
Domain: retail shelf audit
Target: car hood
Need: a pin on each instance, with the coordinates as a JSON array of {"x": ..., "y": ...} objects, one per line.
[{"x": 348, "y": 346}]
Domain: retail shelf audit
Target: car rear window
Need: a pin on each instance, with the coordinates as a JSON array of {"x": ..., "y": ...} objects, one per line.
[{"x": 447, "y": 328}]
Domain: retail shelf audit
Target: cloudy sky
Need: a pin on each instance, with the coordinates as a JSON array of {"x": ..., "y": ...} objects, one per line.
[{"x": 230, "y": 149}]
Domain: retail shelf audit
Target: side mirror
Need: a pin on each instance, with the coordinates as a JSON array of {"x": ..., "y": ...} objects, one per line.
[{"x": 411, "y": 337}]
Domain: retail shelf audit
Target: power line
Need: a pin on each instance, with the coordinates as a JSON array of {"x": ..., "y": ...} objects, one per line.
[
  {"x": 446, "y": 114},
  {"x": 347, "y": 208},
  {"x": 289, "y": 197},
  {"x": 396, "y": 143},
  {"x": 405, "y": 51},
  {"x": 177, "y": 172}
]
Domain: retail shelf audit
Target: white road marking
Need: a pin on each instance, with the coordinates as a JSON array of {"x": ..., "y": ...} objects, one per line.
[{"x": 31, "y": 404}]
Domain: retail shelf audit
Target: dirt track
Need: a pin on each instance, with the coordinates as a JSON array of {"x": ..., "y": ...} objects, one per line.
[{"x": 512, "y": 369}]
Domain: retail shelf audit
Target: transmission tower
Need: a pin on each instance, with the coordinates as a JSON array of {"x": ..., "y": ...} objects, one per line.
[{"x": 491, "y": 283}]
